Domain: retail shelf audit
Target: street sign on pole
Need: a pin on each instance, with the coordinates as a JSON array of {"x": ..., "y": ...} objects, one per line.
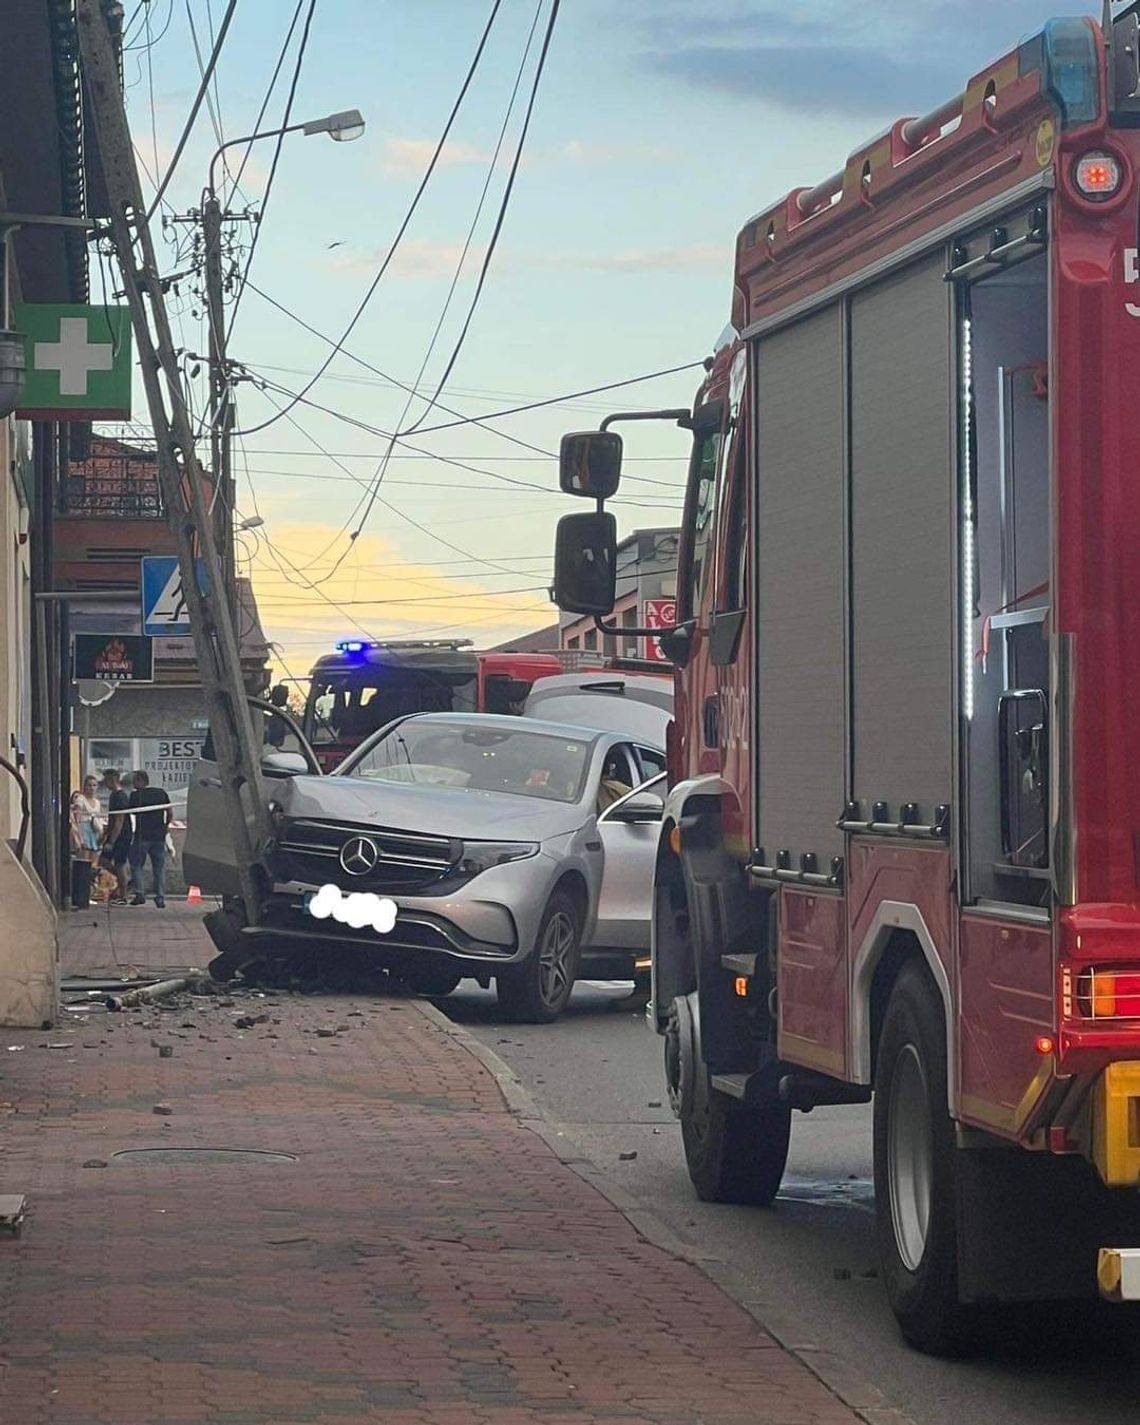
[
  {"x": 164, "y": 610},
  {"x": 658, "y": 613},
  {"x": 77, "y": 359}
]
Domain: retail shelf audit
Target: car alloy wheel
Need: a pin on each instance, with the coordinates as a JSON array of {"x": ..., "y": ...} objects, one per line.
[{"x": 556, "y": 957}]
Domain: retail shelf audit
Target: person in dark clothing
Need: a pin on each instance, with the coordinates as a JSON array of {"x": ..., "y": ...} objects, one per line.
[
  {"x": 117, "y": 843},
  {"x": 149, "y": 841}
]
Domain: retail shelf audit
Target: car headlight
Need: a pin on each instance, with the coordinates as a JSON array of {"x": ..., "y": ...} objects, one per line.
[{"x": 482, "y": 855}]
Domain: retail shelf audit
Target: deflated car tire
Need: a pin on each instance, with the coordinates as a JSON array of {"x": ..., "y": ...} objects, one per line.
[{"x": 538, "y": 990}]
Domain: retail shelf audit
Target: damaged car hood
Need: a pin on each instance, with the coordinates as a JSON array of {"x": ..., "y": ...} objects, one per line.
[{"x": 436, "y": 811}]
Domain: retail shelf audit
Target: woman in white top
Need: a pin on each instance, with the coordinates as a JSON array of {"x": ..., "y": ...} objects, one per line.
[{"x": 87, "y": 821}]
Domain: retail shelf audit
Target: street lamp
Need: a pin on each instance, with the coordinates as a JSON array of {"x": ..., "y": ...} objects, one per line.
[{"x": 343, "y": 127}]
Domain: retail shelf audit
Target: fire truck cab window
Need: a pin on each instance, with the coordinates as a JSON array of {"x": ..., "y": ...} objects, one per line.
[
  {"x": 703, "y": 500},
  {"x": 353, "y": 705},
  {"x": 1006, "y": 542}
]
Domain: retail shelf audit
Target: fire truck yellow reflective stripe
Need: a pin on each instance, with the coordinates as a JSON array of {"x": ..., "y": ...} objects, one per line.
[
  {"x": 810, "y": 1054},
  {"x": 996, "y": 1115}
]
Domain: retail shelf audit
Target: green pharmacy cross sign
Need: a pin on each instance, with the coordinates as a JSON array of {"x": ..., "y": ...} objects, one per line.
[{"x": 78, "y": 361}]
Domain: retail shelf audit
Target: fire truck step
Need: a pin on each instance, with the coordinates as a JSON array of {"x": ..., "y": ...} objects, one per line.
[
  {"x": 739, "y": 964},
  {"x": 806, "y": 1090},
  {"x": 736, "y": 1085}
]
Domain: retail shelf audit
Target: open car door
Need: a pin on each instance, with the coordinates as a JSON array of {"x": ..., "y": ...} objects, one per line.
[
  {"x": 629, "y": 830},
  {"x": 208, "y": 859}
]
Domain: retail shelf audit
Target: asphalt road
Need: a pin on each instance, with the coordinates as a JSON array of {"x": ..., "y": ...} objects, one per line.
[{"x": 597, "y": 1075}]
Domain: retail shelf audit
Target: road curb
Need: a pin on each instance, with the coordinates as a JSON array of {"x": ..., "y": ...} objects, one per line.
[{"x": 847, "y": 1385}]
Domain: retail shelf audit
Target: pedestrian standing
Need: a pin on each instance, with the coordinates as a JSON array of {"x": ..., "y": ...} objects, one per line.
[
  {"x": 87, "y": 822},
  {"x": 117, "y": 842},
  {"x": 149, "y": 840}
]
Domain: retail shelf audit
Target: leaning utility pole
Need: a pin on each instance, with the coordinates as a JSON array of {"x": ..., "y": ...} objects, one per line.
[
  {"x": 221, "y": 398},
  {"x": 212, "y": 619}
]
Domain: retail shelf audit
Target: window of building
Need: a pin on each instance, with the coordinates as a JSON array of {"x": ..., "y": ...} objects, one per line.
[{"x": 629, "y": 640}]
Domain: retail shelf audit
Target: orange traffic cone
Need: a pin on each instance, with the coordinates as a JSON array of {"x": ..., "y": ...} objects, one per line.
[{"x": 194, "y": 895}]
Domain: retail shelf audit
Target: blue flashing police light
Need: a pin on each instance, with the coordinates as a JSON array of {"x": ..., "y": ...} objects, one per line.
[{"x": 352, "y": 645}]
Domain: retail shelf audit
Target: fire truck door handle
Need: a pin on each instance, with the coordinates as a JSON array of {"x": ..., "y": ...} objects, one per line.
[{"x": 712, "y": 721}]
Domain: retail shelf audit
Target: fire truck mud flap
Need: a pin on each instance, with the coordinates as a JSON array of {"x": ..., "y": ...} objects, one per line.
[{"x": 1012, "y": 1245}]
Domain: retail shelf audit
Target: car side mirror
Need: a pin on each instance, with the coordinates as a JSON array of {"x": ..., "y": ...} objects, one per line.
[
  {"x": 284, "y": 764},
  {"x": 589, "y": 463},
  {"x": 641, "y": 807},
  {"x": 585, "y": 563}
]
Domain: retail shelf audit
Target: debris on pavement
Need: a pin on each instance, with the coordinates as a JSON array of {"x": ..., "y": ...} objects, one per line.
[
  {"x": 164, "y": 1110},
  {"x": 13, "y": 1209}
]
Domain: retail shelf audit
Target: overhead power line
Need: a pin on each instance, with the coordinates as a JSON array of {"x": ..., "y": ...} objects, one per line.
[
  {"x": 267, "y": 386},
  {"x": 203, "y": 90},
  {"x": 561, "y": 400},
  {"x": 386, "y": 263},
  {"x": 382, "y": 468},
  {"x": 485, "y": 268},
  {"x": 285, "y": 119},
  {"x": 502, "y": 214}
]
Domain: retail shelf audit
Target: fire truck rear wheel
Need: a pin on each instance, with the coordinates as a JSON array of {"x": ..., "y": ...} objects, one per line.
[
  {"x": 915, "y": 1169},
  {"x": 735, "y": 1152}
]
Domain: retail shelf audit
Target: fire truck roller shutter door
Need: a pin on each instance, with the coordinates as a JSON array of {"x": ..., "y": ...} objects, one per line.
[
  {"x": 902, "y": 537},
  {"x": 800, "y": 475}
]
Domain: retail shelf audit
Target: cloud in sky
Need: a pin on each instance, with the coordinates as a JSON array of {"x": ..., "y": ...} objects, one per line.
[
  {"x": 419, "y": 258},
  {"x": 409, "y": 157},
  {"x": 883, "y": 57}
]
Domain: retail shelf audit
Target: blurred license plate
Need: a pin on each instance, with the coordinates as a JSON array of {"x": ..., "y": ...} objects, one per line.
[{"x": 357, "y": 909}]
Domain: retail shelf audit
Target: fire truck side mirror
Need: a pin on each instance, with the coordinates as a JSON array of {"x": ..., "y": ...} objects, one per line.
[
  {"x": 585, "y": 563},
  {"x": 589, "y": 463}
]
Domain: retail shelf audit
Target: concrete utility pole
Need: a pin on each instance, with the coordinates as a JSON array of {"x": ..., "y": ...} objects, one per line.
[
  {"x": 212, "y": 621},
  {"x": 221, "y": 401}
]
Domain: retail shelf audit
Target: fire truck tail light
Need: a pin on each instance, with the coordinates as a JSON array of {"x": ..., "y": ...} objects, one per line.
[
  {"x": 1109, "y": 994},
  {"x": 1098, "y": 175}
]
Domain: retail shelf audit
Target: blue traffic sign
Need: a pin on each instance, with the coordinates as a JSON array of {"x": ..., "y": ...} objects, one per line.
[{"x": 164, "y": 611}]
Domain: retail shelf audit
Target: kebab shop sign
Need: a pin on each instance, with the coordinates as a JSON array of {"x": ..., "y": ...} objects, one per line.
[{"x": 112, "y": 658}]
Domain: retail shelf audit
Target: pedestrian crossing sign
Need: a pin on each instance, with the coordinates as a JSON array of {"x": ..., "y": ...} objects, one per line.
[
  {"x": 164, "y": 610},
  {"x": 77, "y": 361}
]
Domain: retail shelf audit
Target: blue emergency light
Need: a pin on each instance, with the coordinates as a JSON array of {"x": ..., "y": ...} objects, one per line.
[{"x": 352, "y": 645}]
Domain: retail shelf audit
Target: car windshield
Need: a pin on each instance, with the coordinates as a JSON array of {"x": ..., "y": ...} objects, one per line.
[{"x": 471, "y": 758}]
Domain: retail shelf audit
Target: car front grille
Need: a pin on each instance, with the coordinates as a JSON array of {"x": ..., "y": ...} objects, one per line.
[{"x": 311, "y": 851}]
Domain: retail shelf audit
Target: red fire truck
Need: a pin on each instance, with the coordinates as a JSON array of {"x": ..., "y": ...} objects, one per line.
[
  {"x": 363, "y": 685},
  {"x": 901, "y": 849}
]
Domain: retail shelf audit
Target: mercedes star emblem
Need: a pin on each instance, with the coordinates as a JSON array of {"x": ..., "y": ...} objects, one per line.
[{"x": 359, "y": 855}]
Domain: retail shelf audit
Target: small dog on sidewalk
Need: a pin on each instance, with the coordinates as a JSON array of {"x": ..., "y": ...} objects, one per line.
[{"x": 104, "y": 885}]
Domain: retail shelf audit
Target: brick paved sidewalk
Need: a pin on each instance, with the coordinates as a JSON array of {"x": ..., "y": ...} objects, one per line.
[
  {"x": 111, "y": 940},
  {"x": 419, "y": 1256}
]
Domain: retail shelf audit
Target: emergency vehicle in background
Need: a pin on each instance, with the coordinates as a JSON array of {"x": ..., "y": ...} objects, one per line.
[
  {"x": 901, "y": 847},
  {"x": 364, "y": 685}
]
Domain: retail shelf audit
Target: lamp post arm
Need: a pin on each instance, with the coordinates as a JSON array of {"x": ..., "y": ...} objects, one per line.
[{"x": 249, "y": 138}]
